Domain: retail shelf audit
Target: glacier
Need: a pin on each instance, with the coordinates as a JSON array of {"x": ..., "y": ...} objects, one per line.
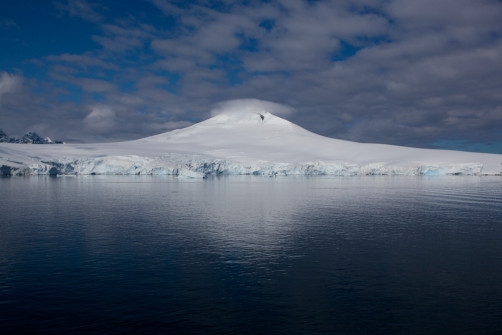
[{"x": 240, "y": 141}]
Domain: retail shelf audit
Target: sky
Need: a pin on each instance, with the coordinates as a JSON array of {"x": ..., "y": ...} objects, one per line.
[{"x": 415, "y": 73}]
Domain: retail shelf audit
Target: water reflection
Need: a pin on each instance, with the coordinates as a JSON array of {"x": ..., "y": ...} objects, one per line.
[{"x": 251, "y": 254}]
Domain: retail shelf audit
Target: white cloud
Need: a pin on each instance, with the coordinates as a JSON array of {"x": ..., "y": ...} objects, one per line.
[
  {"x": 81, "y": 8},
  {"x": 238, "y": 106},
  {"x": 96, "y": 85},
  {"x": 100, "y": 119},
  {"x": 9, "y": 83}
]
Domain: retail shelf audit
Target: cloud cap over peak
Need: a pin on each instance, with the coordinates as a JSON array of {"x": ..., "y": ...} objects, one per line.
[{"x": 246, "y": 106}]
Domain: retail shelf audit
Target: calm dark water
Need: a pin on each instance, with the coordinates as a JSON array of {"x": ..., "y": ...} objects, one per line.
[{"x": 243, "y": 255}]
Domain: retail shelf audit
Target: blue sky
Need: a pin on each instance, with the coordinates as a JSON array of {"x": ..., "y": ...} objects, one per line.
[{"x": 416, "y": 73}]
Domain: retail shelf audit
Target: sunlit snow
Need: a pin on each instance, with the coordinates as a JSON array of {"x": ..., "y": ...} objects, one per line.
[{"x": 243, "y": 138}]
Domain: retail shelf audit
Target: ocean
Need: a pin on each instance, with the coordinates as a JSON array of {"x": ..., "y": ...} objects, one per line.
[{"x": 251, "y": 255}]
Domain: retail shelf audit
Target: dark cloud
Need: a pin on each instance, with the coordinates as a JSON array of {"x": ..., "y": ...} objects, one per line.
[{"x": 420, "y": 73}]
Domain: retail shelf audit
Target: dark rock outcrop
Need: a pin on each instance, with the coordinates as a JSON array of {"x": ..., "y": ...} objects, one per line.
[
  {"x": 3, "y": 136},
  {"x": 29, "y": 138},
  {"x": 32, "y": 138}
]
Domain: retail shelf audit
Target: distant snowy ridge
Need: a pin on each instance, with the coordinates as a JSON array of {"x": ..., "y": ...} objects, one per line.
[
  {"x": 28, "y": 138},
  {"x": 241, "y": 141}
]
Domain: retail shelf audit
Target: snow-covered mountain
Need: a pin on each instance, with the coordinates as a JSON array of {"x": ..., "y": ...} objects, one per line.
[
  {"x": 28, "y": 138},
  {"x": 250, "y": 141}
]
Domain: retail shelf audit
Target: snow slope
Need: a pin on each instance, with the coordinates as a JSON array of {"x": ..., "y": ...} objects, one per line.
[{"x": 240, "y": 142}]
